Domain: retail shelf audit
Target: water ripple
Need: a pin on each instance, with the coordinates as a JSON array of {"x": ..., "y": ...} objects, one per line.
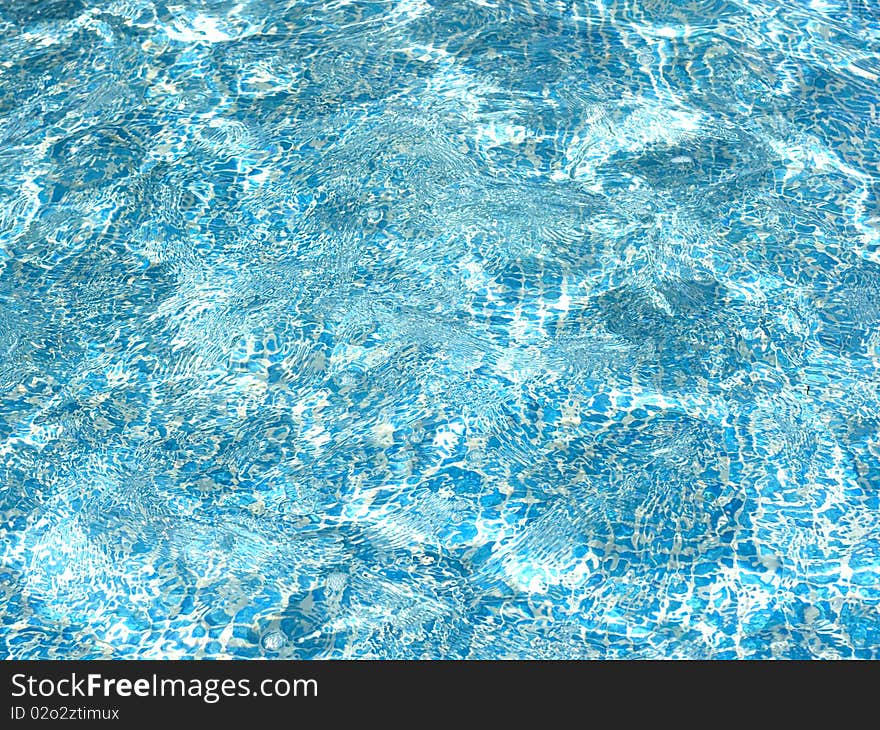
[{"x": 463, "y": 329}]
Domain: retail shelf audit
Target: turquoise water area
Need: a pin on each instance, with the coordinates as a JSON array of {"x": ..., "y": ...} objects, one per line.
[{"x": 440, "y": 328}]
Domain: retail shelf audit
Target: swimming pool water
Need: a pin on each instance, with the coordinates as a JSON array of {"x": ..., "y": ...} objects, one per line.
[{"x": 428, "y": 328}]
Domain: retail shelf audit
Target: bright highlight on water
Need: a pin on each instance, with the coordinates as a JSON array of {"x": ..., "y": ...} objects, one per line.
[{"x": 440, "y": 329}]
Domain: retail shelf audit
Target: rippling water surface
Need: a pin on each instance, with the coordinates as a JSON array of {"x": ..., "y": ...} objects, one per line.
[{"x": 428, "y": 328}]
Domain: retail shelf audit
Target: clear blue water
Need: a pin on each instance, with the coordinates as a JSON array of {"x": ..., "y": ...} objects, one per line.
[{"x": 428, "y": 328}]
